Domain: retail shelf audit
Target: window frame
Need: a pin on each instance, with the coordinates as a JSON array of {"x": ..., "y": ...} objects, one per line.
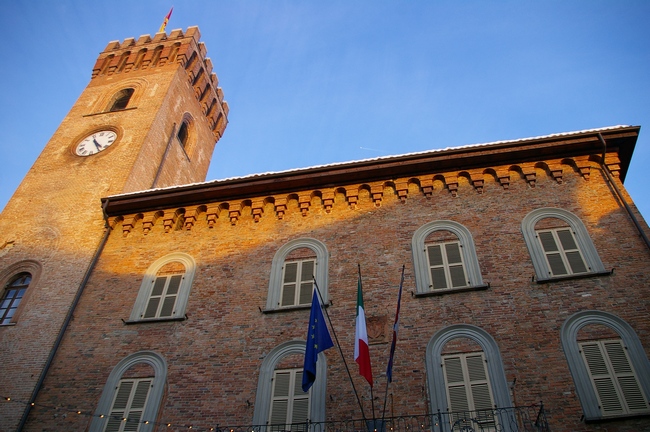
[
  {"x": 581, "y": 237},
  {"x": 297, "y": 283},
  {"x": 277, "y": 271},
  {"x": 581, "y": 379},
  {"x": 435, "y": 373},
  {"x": 9, "y": 274},
  {"x": 150, "y": 412},
  {"x": 264, "y": 384},
  {"x": 148, "y": 281},
  {"x": 419, "y": 250},
  {"x": 121, "y": 95}
]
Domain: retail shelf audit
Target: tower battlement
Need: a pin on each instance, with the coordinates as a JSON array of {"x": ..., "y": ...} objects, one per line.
[{"x": 162, "y": 50}]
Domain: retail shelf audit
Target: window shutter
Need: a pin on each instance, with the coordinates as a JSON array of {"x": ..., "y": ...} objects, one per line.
[
  {"x": 438, "y": 279},
  {"x": 468, "y": 388},
  {"x": 455, "y": 261},
  {"x": 289, "y": 283},
  {"x": 552, "y": 252},
  {"x": 306, "y": 282},
  {"x": 289, "y": 404},
  {"x": 130, "y": 401},
  {"x": 573, "y": 255},
  {"x": 614, "y": 380}
]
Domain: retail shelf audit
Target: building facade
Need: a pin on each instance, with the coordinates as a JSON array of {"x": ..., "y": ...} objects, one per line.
[{"x": 524, "y": 300}]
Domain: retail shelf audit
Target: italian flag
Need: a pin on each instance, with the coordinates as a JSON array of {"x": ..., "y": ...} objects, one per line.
[{"x": 361, "y": 351}]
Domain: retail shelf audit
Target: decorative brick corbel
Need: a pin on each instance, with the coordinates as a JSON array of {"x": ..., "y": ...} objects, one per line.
[
  {"x": 427, "y": 188},
  {"x": 613, "y": 164},
  {"x": 212, "y": 213},
  {"x": 190, "y": 218},
  {"x": 304, "y": 201},
  {"x": 477, "y": 180},
  {"x": 148, "y": 222},
  {"x": 169, "y": 218},
  {"x": 128, "y": 224},
  {"x": 504, "y": 178},
  {"x": 556, "y": 170},
  {"x": 452, "y": 184},
  {"x": 377, "y": 193},
  {"x": 112, "y": 221},
  {"x": 530, "y": 174},
  {"x": 257, "y": 209},
  {"x": 584, "y": 166},
  {"x": 328, "y": 200},
  {"x": 234, "y": 212},
  {"x": 402, "y": 189},
  {"x": 280, "y": 207},
  {"x": 352, "y": 195}
]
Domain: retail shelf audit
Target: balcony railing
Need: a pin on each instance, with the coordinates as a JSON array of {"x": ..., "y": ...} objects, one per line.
[{"x": 515, "y": 419}]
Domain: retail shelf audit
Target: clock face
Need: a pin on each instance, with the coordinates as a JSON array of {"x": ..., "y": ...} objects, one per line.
[{"x": 95, "y": 143}]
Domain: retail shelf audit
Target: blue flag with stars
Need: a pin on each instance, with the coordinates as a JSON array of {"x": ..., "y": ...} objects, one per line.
[{"x": 318, "y": 340}]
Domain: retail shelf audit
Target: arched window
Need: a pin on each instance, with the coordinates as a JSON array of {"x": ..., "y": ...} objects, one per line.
[
  {"x": 444, "y": 258},
  {"x": 559, "y": 245},
  {"x": 280, "y": 399},
  {"x": 121, "y": 99},
  {"x": 183, "y": 133},
  {"x": 13, "y": 293},
  {"x": 165, "y": 289},
  {"x": 133, "y": 391},
  {"x": 608, "y": 364},
  {"x": 293, "y": 270},
  {"x": 471, "y": 378}
]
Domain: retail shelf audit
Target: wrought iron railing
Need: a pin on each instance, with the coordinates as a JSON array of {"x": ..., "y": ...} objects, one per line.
[{"x": 515, "y": 419}]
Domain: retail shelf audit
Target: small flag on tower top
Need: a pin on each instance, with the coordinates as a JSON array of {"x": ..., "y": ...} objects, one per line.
[
  {"x": 165, "y": 21},
  {"x": 318, "y": 340}
]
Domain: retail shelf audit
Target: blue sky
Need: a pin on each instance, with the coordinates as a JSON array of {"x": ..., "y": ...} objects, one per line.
[{"x": 312, "y": 82}]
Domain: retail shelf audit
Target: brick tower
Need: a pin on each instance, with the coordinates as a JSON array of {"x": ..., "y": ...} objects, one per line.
[{"x": 150, "y": 117}]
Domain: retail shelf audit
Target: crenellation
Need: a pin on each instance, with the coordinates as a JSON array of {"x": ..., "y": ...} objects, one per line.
[{"x": 128, "y": 42}]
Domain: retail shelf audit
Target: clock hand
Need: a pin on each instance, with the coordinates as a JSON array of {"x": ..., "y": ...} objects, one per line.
[{"x": 98, "y": 145}]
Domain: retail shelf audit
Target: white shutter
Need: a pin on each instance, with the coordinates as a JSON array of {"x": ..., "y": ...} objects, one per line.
[
  {"x": 163, "y": 296},
  {"x": 468, "y": 390},
  {"x": 446, "y": 265},
  {"x": 562, "y": 252},
  {"x": 297, "y": 283},
  {"x": 289, "y": 404},
  {"x": 129, "y": 403},
  {"x": 614, "y": 380}
]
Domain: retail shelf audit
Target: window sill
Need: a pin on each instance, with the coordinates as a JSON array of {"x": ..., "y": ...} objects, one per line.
[
  {"x": 440, "y": 292},
  {"x": 8, "y": 324},
  {"x": 575, "y": 276},
  {"x": 616, "y": 417},
  {"x": 153, "y": 320},
  {"x": 287, "y": 309},
  {"x": 108, "y": 112}
]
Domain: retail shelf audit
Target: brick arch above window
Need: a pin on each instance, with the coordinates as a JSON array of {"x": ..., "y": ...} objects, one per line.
[
  {"x": 579, "y": 371},
  {"x": 586, "y": 248},
  {"x": 157, "y": 383},
  {"x": 466, "y": 249},
  {"x": 160, "y": 286},
  {"x": 278, "y": 264},
  {"x": 265, "y": 384}
]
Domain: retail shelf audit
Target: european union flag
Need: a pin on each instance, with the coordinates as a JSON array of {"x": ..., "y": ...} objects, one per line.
[{"x": 318, "y": 340}]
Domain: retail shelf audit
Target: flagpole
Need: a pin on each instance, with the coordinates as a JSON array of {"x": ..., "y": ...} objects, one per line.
[
  {"x": 389, "y": 374},
  {"x": 347, "y": 369},
  {"x": 372, "y": 396}
]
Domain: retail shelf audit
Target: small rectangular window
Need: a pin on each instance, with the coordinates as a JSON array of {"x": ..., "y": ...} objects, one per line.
[
  {"x": 562, "y": 252},
  {"x": 446, "y": 267},
  {"x": 163, "y": 296},
  {"x": 297, "y": 282}
]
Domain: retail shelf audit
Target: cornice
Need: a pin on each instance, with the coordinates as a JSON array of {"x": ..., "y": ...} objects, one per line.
[{"x": 580, "y": 148}]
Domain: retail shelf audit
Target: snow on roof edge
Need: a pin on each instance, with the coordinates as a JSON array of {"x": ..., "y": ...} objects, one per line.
[{"x": 333, "y": 164}]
